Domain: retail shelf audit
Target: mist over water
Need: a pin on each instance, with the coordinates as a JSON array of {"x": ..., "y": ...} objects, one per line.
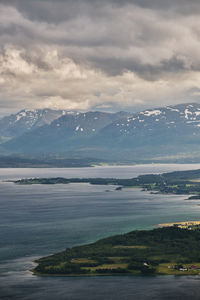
[
  {"x": 92, "y": 172},
  {"x": 37, "y": 220}
]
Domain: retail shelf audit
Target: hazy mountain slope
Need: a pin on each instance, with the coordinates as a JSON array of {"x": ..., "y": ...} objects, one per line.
[
  {"x": 169, "y": 116},
  {"x": 26, "y": 120},
  {"x": 163, "y": 131},
  {"x": 63, "y": 133},
  {"x": 172, "y": 120}
]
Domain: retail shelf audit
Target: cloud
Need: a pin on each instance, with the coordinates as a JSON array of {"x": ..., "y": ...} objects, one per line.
[{"x": 91, "y": 54}]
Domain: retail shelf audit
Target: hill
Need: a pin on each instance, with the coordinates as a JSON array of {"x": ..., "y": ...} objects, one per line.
[{"x": 170, "y": 250}]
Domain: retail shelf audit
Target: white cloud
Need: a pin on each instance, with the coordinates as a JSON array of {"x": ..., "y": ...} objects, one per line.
[{"x": 116, "y": 56}]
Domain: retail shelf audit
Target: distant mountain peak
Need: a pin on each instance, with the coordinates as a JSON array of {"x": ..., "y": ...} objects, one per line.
[{"x": 26, "y": 120}]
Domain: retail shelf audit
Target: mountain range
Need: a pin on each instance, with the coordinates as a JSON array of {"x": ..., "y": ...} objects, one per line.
[{"x": 164, "y": 133}]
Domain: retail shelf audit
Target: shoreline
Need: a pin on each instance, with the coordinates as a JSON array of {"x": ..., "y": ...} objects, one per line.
[
  {"x": 184, "y": 224},
  {"x": 94, "y": 165}
]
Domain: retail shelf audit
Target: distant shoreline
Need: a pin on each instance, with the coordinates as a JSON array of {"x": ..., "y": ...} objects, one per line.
[
  {"x": 12, "y": 162},
  {"x": 177, "y": 182},
  {"x": 184, "y": 224}
]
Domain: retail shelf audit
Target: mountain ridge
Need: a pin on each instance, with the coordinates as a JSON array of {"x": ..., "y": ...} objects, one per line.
[
  {"x": 25, "y": 120},
  {"x": 162, "y": 131}
]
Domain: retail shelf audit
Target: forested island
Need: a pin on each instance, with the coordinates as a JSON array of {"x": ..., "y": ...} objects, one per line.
[
  {"x": 179, "y": 182},
  {"x": 167, "y": 251}
]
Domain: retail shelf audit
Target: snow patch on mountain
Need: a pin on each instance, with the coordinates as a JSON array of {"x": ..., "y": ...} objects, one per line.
[
  {"x": 172, "y": 109},
  {"x": 152, "y": 112},
  {"x": 187, "y": 112}
]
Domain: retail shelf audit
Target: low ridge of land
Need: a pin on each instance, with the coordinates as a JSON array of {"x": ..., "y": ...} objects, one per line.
[{"x": 180, "y": 182}]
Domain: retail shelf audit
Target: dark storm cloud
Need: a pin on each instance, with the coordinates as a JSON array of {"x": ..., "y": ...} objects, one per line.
[
  {"x": 98, "y": 31},
  {"x": 147, "y": 71},
  {"x": 59, "y": 10}
]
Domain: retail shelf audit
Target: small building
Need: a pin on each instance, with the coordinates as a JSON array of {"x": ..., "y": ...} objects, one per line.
[
  {"x": 178, "y": 267},
  {"x": 193, "y": 267}
]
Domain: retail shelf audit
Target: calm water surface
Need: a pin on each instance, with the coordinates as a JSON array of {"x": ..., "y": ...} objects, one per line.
[{"x": 38, "y": 220}]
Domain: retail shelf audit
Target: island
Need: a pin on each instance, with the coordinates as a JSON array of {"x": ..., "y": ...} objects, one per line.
[
  {"x": 167, "y": 250},
  {"x": 179, "y": 182}
]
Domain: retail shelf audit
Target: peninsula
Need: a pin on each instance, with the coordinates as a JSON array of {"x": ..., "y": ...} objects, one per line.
[
  {"x": 164, "y": 251},
  {"x": 180, "y": 182}
]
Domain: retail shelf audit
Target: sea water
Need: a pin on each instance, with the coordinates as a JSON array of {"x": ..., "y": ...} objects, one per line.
[{"x": 38, "y": 220}]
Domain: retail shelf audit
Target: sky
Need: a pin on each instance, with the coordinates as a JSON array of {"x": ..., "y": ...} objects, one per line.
[{"x": 106, "y": 55}]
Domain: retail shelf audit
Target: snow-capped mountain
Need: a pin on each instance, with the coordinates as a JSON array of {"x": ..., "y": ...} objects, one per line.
[
  {"x": 165, "y": 131},
  {"x": 82, "y": 124},
  {"x": 170, "y": 117},
  {"x": 65, "y": 132},
  {"x": 26, "y": 120}
]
